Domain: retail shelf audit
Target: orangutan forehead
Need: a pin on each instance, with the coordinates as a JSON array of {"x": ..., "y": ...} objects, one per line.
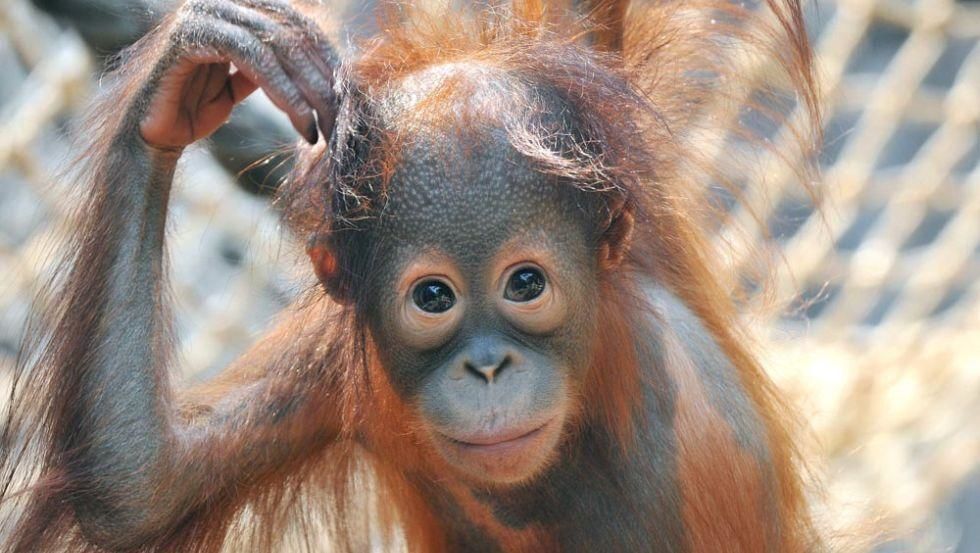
[
  {"x": 462, "y": 166},
  {"x": 468, "y": 199}
]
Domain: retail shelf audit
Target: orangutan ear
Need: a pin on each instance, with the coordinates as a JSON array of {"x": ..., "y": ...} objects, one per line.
[
  {"x": 616, "y": 240},
  {"x": 327, "y": 269}
]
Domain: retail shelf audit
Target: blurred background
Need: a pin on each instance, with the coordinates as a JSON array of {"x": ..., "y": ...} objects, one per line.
[{"x": 878, "y": 340}]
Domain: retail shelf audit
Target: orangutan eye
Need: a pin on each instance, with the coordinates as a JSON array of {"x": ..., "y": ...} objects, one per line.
[
  {"x": 525, "y": 284},
  {"x": 433, "y": 296}
]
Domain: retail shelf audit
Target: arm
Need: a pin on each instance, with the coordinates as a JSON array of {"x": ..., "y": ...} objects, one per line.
[
  {"x": 131, "y": 464},
  {"x": 736, "y": 468}
]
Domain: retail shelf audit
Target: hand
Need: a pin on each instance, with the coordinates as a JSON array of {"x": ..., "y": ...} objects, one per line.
[{"x": 271, "y": 46}]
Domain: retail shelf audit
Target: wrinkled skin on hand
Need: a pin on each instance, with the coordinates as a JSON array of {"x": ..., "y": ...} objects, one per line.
[{"x": 219, "y": 52}]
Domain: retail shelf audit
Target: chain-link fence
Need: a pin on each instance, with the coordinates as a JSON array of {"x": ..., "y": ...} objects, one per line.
[{"x": 879, "y": 345}]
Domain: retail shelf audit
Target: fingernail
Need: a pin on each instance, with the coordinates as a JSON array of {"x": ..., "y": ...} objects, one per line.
[{"x": 311, "y": 133}]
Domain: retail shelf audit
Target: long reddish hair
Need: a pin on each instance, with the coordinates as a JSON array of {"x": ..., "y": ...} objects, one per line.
[{"x": 637, "y": 104}]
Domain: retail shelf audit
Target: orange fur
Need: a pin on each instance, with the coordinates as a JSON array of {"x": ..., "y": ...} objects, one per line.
[
  {"x": 639, "y": 105},
  {"x": 722, "y": 485}
]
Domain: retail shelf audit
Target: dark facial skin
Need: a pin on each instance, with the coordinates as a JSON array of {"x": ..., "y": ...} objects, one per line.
[{"x": 491, "y": 376}]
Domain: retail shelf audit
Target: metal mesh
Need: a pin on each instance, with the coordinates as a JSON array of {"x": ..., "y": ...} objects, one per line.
[
  {"x": 880, "y": 344},
  {"x": 885, "y": 352}
]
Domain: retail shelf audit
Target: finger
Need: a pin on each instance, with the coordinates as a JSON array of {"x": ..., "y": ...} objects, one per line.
[
  {"x": 216, "y": 82},
  {"x": 235, "y": 88},
  {"x": 289, "y": 15},
  {"x": 259, "y": 64},
  {"x": 317, "y": 90},
  {"x": 280, "y": 9},
  {"x": 240, "y": 87},
  {"x": 293, "y": 51},
  {"x": 321, "y": 49}
]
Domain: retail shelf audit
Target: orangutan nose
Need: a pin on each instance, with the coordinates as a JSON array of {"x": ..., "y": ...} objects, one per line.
[{"x": 487, "y": 371}]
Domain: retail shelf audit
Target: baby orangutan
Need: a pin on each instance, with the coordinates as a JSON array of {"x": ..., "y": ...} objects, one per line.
[{"x": 518, "y": 341}]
